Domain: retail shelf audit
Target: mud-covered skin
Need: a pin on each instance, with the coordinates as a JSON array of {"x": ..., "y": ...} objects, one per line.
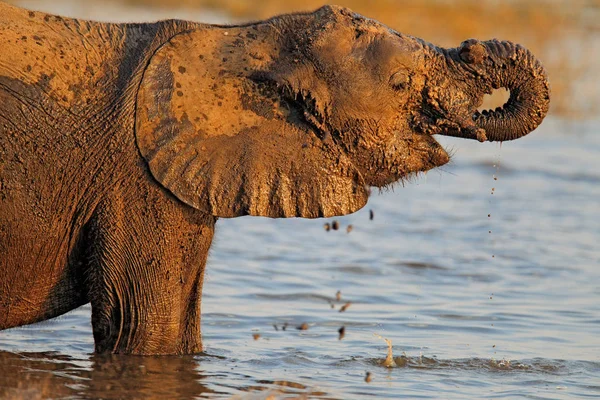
[
  {"x": 80, "y": 218},
  {"x": 121, "y": 145}
]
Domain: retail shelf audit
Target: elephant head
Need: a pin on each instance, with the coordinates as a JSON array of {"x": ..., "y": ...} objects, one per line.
[{"x": 299, "y": 115}]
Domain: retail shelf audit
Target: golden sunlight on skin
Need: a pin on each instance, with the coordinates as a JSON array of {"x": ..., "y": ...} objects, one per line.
[{"x": 533, "y": 24}]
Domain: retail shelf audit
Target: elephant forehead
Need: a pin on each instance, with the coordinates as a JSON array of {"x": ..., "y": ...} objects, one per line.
[
  {"x": 392, "y": 50},
  {"x": 334, "y": 42}
]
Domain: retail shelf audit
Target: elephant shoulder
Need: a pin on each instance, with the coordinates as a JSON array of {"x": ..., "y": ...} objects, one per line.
[{"x": 62, "y": 57}]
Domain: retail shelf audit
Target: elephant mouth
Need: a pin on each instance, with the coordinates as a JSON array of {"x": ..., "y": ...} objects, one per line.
[{"x": 457, "y": 120}]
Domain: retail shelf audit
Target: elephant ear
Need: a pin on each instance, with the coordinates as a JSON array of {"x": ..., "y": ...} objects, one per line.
[{"x": 229, "y": 144}]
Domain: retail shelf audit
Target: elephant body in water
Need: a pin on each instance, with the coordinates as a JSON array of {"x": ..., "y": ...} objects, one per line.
[{"x": 122, "y": 144}]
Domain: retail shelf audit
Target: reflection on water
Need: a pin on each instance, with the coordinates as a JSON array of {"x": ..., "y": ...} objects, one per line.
[
  {"x": 43, "y": 375},
  {"x": 52, "y": 375},
  {"x": 484, "y": 274}
]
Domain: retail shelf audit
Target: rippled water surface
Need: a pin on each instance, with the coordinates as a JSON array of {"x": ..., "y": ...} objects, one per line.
[{"x": 485, "y": 276}]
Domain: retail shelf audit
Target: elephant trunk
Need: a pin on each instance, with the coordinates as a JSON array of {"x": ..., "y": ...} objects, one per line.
[
  {"x": 513, "y": 67},
  {"x": 493, "y": 64}
]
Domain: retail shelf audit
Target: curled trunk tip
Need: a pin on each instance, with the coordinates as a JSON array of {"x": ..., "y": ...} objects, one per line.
[{"x": 513, "y": 67}]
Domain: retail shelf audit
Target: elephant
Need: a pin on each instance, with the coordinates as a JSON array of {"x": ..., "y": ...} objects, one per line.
[{"x": 121, "y": 146}]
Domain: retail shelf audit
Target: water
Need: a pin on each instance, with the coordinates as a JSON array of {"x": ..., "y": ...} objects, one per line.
[{"x": 471, "y": 314}]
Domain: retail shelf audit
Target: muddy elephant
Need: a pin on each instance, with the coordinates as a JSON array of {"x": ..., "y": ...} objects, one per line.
[{"x": 122, "y": 144}]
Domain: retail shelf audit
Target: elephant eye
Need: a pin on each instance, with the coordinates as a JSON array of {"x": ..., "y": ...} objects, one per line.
[{"x": 400, "y": 79}]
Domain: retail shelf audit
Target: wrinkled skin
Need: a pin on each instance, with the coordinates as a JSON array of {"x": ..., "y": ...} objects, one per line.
[{"x": 121, "y": 146}]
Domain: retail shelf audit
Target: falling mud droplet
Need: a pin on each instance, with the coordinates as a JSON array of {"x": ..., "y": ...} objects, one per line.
[{"x": 303, "y": 327}]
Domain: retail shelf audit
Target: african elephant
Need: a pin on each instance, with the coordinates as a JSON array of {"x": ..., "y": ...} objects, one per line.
[{"x": 122, "y": 144}]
